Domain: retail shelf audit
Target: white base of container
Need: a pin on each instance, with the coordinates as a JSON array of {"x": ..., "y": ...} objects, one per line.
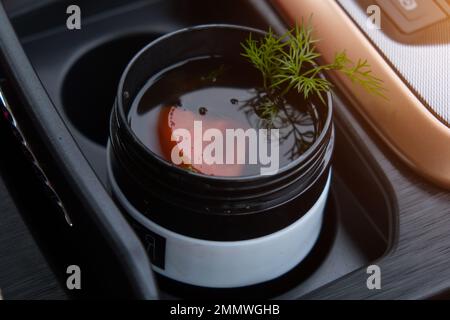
[{"x": 231, "y": 264}]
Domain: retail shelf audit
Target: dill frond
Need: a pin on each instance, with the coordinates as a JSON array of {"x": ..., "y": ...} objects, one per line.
[{"x": 289, "y": 62}]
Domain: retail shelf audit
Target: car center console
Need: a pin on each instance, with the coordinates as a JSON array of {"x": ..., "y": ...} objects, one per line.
[{"x": 58, "y": 87}]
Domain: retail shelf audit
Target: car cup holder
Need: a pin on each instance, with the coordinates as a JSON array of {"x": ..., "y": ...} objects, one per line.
[
  {"x": 81, "y": 71},
  {"x": 88, "y": 100}
]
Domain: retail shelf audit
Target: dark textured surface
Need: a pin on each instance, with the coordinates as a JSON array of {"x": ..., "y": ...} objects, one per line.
[{"x": 24, "y": 273}]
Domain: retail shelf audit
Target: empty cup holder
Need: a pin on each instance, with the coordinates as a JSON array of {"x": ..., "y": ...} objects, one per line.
[{"x": 90, "y": 85}]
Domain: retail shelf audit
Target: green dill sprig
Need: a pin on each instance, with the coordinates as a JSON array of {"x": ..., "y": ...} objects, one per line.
[
  {"x": 265, "y": 54},
  {"x": 290, "y": 62},
  {"x": 360, "y": 73}
]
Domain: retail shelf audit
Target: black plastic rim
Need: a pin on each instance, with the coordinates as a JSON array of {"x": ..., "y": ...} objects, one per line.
[{"x": 136, "y": 140}]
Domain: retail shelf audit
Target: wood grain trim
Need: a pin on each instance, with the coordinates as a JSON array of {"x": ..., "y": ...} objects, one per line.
[{"x": 403, "y": 122}]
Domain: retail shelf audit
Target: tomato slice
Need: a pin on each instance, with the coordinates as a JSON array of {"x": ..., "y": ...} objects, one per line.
[
  {"x": 170, "y": 119},
  {"x": 173, "y": 118}
]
